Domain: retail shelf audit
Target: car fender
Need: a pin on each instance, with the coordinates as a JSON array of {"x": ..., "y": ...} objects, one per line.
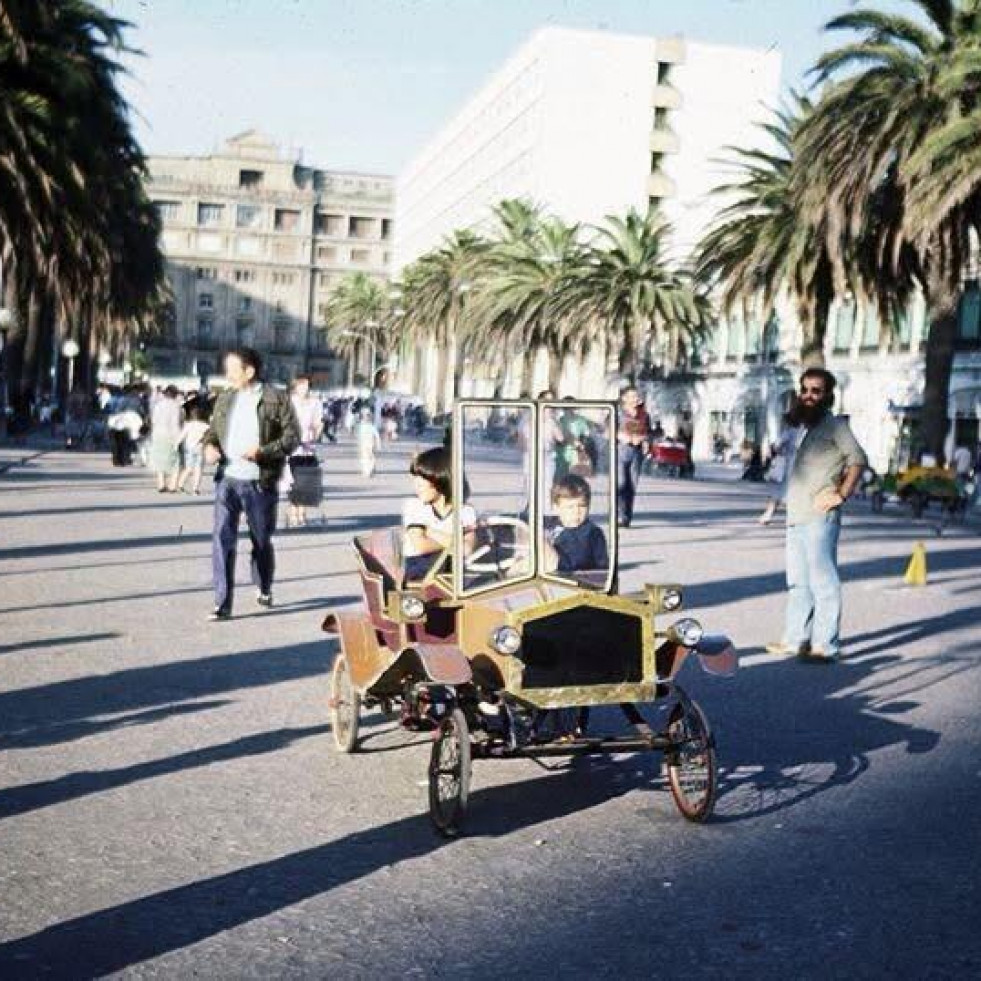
[{"x": 717, "y": 655}]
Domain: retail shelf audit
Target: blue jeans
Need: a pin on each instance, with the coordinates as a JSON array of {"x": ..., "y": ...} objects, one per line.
[
  {"x": 232, "y": 498},
  {"x": 814, "y": 598},
  {"x": 629, "y": 460}
]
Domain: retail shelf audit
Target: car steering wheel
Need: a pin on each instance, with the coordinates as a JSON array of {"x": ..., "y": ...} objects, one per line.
[{"x": 497, "y": 556}]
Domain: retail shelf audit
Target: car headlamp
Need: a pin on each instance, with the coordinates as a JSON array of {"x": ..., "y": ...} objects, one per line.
[
  {"x": 688, "y": 631},
  {"x": 412, "y": 607},
  {"x": 671, "y": 598},
  {"x": 506, "y": 640}
]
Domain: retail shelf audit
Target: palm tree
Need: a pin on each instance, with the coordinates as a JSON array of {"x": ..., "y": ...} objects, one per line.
[
  {"x": 528, "y": 301},
  {"x": 435, "y": 292},
  {"x": 891, "y": 162},
  {"x": 760, "y": 245},
  {"x": 631, "y": 293},
  {"x": 358, "y": 314},
  {"x": 77, "y": 233}
]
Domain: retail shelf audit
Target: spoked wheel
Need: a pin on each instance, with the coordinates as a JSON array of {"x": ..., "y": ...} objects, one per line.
[
  {"x": 345, "y": 706},
  {"x": 449, "y": 774},
  {"x": 692, "y": 768}
]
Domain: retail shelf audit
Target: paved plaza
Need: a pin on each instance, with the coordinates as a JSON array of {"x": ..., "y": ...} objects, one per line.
[{"x": 172, "y": 805}]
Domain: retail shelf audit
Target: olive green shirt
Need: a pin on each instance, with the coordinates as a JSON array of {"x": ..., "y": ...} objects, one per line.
[{"x": 823, "y": 455}]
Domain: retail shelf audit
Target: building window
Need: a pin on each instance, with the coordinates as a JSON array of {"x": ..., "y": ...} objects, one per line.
[
  {"x": 326, "y": 253},
  {"x": 844, "y": 326},
  {"x": 660, "y": 118},
  {"x": 209, "y": 215},
  {"x": 205, "y": 331},
  {"x": 248, "y": 216},
  {"x": 245, "y": 303},
  {"x": 361, "y": 228},
  {"x": 284, "y": 250},
  {"x": 244, "y": 332},
  {"x": 322, "y": 312},
  {"x": 278, "y": 306},
  {"x": 386, "y": 228},
  {"x": 360, "y": 257},
  {"x": 283, "y": 278},
  {"x": 286, "y": 220},
  {"x": 335, "y": 225},
  {"x": 969, "y": 316},
  {"x": 245, "y": 275},
  {"x": 206, "y": 301},
  {"x": 250, "y": 178},
  {"x": 168, "y": 210},
  {"x": 663, "y": 72},
  {"x": 283, "y": 337},
  {"x": 206, "y": 272},
  {"x": 324, "y": 280},
  {"x": 657, "y": 163}
]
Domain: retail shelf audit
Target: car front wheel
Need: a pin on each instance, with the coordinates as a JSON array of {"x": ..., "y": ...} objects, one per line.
[{"x": 692, "y": 767}]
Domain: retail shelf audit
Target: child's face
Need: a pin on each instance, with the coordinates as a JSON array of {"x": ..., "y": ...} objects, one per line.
[
  {"x": 572, "y": 511},
  {"x": 425, "y": 491}
]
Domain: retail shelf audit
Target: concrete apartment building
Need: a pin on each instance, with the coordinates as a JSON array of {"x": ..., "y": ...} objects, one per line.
[
  {"x": 590, "y": 123},
  {"x": 255, "y": 241}
]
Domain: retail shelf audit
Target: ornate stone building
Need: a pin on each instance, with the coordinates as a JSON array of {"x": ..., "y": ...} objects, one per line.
[{"x": 255, "y": 242}]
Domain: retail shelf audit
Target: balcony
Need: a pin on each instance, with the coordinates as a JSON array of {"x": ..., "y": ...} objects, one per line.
[
  {"x": 660, "y": 186},
  {"x": 665, "y": 97},
  {"x": 664, "y": 141},
  {"x": 670, "y": 50}
]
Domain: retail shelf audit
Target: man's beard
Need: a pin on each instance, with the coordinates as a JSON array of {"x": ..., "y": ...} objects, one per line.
[{"x": 811, "y": 415}]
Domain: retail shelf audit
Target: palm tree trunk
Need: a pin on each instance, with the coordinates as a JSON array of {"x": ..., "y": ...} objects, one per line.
[
  {"x": 528, "y": 371},
  {"x": 815, "y": 330},
  {"x": 556, "y": 362},
  {"x": 939, "y": 363},
  {"x": 32, "y": 345}
]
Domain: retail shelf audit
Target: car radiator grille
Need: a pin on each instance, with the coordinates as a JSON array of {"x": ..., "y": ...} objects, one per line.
[{"x": 582, "y": 646}]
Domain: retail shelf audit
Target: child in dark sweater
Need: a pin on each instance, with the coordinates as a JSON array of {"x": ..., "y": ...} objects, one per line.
[{"x": 573, "y": 543}]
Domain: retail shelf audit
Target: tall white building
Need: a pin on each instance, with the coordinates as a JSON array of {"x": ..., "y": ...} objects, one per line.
[{"x": 589, "y": 124}]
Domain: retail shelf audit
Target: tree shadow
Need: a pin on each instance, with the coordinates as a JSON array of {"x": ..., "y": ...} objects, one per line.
[
  {"x": 112, "y": 939},
  {"x": 41, "y": 715},
  {"x": 30, "y": 797},
  {"x": 69, "y": 641},
  {"x": 31, "y": 737}
]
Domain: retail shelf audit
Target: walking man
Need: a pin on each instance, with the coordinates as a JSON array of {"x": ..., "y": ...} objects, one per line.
[
  {"x": 825, "y": 472},
  {"x": 253, "y": 431},
  {"x": 633, "y": 437}
]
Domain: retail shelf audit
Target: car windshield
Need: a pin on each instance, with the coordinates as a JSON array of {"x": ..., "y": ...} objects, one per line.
[
  {"x": 494, "y": 470},
  {"x": 538, "y": 482},
  {"x": 576, "y": 492}
]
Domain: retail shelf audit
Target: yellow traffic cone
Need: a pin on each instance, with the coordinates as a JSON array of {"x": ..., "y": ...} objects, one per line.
[{"x": 916, "y": 571}]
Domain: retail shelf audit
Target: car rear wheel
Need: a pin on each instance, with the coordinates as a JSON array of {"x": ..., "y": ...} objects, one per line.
[
  {"x": 449, "y": 774},
  {"x": 692, "y": 767},
  {"x": 345, "y": 706}
]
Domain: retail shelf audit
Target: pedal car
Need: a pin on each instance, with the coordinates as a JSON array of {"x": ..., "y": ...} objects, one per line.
[
  {"x": 501, "y": 648},
  {"x": 919, "y": 487},
  {"x": 670, "y": 458}
]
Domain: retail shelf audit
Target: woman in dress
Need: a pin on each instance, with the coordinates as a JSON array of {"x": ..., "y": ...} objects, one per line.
[{"x": 165, "y": 434}]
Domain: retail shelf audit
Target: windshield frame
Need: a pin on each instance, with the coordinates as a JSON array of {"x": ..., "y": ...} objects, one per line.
[
  {"x": 543, "y": 494},
  {"x": 458, "y": 461}
]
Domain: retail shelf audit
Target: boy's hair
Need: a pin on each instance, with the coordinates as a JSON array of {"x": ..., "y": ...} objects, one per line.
[
  {"x": 435, "y": 465},
  {"x": 571, "y": 486}
]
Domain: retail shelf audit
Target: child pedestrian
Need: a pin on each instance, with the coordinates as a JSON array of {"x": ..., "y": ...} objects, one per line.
[
  {"x": 368, "y": 440},
  {"x": 191, "y": 443}
]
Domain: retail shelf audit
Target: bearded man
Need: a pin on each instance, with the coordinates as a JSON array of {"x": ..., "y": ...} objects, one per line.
[{"x": 826, "y": 470}]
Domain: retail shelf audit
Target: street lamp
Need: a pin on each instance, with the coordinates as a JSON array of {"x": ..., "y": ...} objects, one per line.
[
  {"x": 6, "y": 322},
  {"x": 70, "y": 350}
]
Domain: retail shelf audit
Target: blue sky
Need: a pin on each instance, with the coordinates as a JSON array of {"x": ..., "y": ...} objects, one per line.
[{"x": 363, "y": 83}]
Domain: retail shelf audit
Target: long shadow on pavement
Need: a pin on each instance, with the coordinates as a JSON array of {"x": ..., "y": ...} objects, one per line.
[{"x": 39, "y": 715}]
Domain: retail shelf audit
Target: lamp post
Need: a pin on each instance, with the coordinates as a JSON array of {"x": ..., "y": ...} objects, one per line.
[
  {"x": 70, "y": 350},
  {"x": 6, "y": 322}
]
